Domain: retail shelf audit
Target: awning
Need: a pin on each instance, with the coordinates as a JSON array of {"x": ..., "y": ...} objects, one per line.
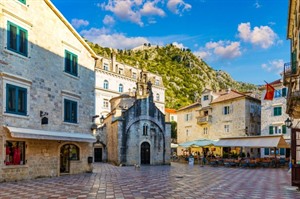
[
  {"x": 198, "y": 143},
  {"x": 49, "y": 135},
  {"x": 270, "y": 141}
]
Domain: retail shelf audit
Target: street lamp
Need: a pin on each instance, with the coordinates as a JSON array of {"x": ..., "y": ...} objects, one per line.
[{"x": 288, "y": 123}]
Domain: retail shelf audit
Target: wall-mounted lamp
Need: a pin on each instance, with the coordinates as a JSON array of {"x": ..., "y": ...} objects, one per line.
[{"x": 288, "y": 123}]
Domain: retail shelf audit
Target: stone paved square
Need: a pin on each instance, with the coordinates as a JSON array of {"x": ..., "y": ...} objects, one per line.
[{"x": 176, "y": 181}]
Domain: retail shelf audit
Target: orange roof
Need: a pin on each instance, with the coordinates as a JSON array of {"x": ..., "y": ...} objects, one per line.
[
  {"x": 228, "y": 96},
  {"x": 170, "y": 110}
]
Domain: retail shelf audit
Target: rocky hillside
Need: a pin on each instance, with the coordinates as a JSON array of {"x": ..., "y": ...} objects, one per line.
[{"x": 184, "y": 75}]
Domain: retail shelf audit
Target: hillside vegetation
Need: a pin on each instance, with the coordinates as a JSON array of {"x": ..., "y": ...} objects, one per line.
[{"x": 184, "y": 75}]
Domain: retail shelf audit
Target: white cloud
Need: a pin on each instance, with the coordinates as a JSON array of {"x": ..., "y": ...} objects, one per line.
[
  {"x": 117, "y": 40},
  {"x": 179, "y": 45},
  {"x": 76, "y": 23},
  {"x": 262, "y": 36},
  {"x": 275, "y": 66},
  {"x": 149, "y": 9},
  {"x": 108, "y": 20},
  {"x": 178, "y": 6},
  {"x": 220, "y": 49},
  {"x": 257, "y": 5},
  {"x": 124, "y": 9}
]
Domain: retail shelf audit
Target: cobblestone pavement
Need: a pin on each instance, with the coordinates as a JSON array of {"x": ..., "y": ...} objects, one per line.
[{"x": 175, "y": 181}]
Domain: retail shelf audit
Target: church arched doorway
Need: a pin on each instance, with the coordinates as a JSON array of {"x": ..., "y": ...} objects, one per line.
[{"x": 145, "y": 153}]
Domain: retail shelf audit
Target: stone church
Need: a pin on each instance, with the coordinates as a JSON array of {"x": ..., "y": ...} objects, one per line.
[{"x": 135, "y": 131}]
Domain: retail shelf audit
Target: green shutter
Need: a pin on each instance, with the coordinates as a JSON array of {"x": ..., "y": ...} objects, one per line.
[
  {"x": 282, "y": 151},
  {"x": 283, "y": 129},
  {"x": 294, "y": 62},
  {"x": 23, "y": 1},
  {"x": 283, "y": 92},
  {"x": 270, "y": 129},
  {"x": 267, "y": 151}
]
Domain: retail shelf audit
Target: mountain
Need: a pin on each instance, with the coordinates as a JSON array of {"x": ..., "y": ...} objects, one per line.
[{"x": 184, "y": 75}]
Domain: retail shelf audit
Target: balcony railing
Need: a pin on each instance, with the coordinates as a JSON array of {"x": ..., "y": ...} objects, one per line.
[
  {"x": 289, "y": 71},
  {"x": 204, "y": 119}
]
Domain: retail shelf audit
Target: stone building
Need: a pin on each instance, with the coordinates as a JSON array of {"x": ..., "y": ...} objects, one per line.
[
  {"x": 218, "y": 115},
  {"x": 114, "y": 78},
  {"x": 47, "y": 93},
  {"x": 273, "y": 116},
  {"x": 135, "y": 131},
  {"x": 171, "y": 115}
]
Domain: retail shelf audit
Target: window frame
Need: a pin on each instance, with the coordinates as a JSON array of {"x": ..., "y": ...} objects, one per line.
[
  {"x": 10, "y": 153},
  {"x": 226, "y": 110},
  {"x": 105, "y": 103},
  {"x": 17, "y": 42},
  {"x": 157, "y": 97},
  {"x": 70, "y": 106},
  {"x": 73, "y": 70},
  {"x": 226, "y": 128},
  {"x": 205, "y": 97},
  {"x": 145, "y": 129},
  {"x": 277, "y": 111},
  {"x": 16, "y": 99},
  {"x": 121, "y": 88},
  {"x": 105, "y": 84},
  {"x": 105, "y": 66}
]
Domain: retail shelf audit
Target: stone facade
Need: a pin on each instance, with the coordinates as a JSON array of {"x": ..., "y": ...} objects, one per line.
[
  {"x": 272, "y": 122},
  {"x": 39, "y": 72},
  {"x": 218, "y": 115},
  {"x": 136, "y": 132}
]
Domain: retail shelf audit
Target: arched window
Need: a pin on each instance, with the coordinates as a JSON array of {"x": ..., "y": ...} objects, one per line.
[
  {"x": 70, "y": 151},
  {"x": 105, "y": 84},
  {"x": 157, "y": 97},
  {"x": 120, "y": 88},
  {"x": 145, "y": 129}
]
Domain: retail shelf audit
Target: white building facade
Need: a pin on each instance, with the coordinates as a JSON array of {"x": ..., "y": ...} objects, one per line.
[
  {"x": 114, "y": 78},
  {"x": 273, "y": 116}
]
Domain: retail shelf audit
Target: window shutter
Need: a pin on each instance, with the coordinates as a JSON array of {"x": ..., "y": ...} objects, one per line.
[
  {"x": 267, "y": 152},
  {"x": 283, "y": 92},
  {"x": 282, "y": 151},
  {"x": 283, "y": 129},
  {"x": 270, "y": 129}
]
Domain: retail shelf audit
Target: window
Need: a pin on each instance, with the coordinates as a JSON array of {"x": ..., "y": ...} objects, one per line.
[
  {"x": 120, "y": 88},
  {"x": 17, "y": 39},
  {"x": 277, "y": 111},
  {"x": 205, "y": 130},
  {"x": 284, "y": 91},
  {"x": 157, "y": 97},
  {"x": 205, "y": 97},
  {"x": 226, "y": 128},
  {"x": 15, "y": 153},
  {"x": 71, "y": 65},
  {"x": 105, "y": 66},
  {"x": 145, "y": 129},
  {"x": 277, "y": 129},
  {"x": 23, "y": 1},
  {"x": 70, "y": 111},
  {"x": 121, "y": 71},
  {"x": 277, "y": 93},
  {"x": 105, "y": 103},
  {"x": 226, "y": 110},
  {"x": 267, "y": 151},
  {"x": 187, "y": 132},
  {"x": 105, "y": 84},
  {"x": 282, "y": 151},
  {"x": 16, "y": 100},
  {"x": 172, "y": 118},
  {"x": 157, "y": 82},
  {"x": 134, "y": 75},
  {"x": 70, "y": 151},
  {"x": 188, "y": 117}
]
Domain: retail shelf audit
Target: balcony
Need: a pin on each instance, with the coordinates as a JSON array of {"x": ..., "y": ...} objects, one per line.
[
  {"x": 293, "y": 104},
  {"x": 201, "y": 120},
  {"x": 290, "y": 72}
]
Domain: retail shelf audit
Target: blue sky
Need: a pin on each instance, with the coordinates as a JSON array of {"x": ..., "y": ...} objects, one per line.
[{"x": 246, "y": 38}]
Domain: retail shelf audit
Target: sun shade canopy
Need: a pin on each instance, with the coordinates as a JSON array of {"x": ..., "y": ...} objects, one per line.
[
  {"x": 271, "y": 141},
  {"x": 198, "y": 143},
  {"x": 49, "y": 135}
]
